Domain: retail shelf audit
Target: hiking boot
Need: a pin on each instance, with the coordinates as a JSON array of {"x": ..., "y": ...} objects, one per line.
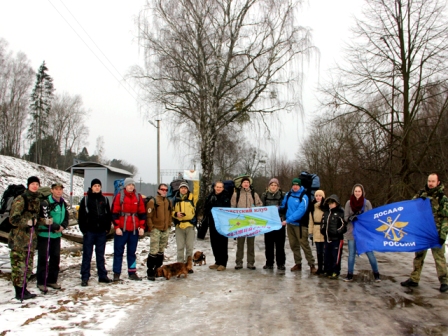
[
  {"x": 349, "y": 277},
  {"x": 151, "y": 278},
  {"x": 313, "y": 269},
  {"x": 376, "y": 276},
  {"x": 296, "y": 267},
  {"x": 116, "y": 276},
  {"x": 54, "y": 285},
  {"x": 443, "y": 288},
  {"x": 238, "y": 266},
  {"x": 135, "y": 277},
  {"x": 26, "y": 295},
  {"x": 221, "y": 268},
  {"x": 84, "y": 283},
  {"x": 251, "y": 267},
  {"x": 213, "y": 266},
  {"x": 42, "y": 289},
  {"x": 190, "y": 271},
  {"x": 409, "y": 283},
  {"x": 334, "y": 276},
  {"x": 268, "y": 267},
  {"x": 281, "y": 267},
  {"x": 319, "y": 271},
  {"x": 105, "y": 280}
]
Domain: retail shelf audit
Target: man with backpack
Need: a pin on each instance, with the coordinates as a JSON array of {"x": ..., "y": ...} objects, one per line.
[
  {"x": 245, "y": 197},
  {"x": 158, "y": 221},
  {"x": 184, "y": 216},
  {"x": 54, "y": 211},
  {"x": 22, "y": 240},
  {"x": 94, "y": 221},
  {"x": 296, "y": 207}
]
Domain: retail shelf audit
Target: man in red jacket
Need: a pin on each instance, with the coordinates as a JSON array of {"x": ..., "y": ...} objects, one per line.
[{"x": 129, "y": 217}]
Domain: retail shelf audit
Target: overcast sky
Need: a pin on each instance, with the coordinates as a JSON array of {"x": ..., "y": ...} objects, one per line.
[{"x": 61, "y": 33}]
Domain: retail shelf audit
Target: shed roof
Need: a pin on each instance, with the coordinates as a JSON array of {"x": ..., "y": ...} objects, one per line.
[{"x": 99, "y": 165}]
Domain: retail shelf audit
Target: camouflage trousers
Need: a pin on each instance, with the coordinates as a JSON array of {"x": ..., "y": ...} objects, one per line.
[
  {"x": 18, "y": 266},
  {"x": 439, "y": 258},
  {"x": 159, "y": 240}
]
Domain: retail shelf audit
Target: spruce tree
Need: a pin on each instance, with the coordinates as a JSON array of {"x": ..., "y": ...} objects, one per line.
[{"x": 40, "y": 107}]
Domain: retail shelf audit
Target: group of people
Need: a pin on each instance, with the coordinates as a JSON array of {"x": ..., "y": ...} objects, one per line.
[{"x": 38, "y": 222}]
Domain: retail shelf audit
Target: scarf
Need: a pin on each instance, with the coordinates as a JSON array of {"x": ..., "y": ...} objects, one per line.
[{"x": 356, "y": 204}]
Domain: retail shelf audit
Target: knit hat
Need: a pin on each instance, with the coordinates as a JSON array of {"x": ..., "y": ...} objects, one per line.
[
  {"x": 32, "y": 179},
  {"x": 296, "y": 180},
  {"x": 57, "y": 184},
  {"x": 184, "y": 184},
  {"x": 128, "y": 181},
  {"x": 245, "y": 179},
  {"x": 273, "y": 180},
  {"x": 95, "y": 181},
  {"x": 319, "y": 192}
]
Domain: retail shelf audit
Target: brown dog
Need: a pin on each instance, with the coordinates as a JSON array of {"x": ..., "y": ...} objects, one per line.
[
  {"x": 198, "y": 258},
  {"x": 174, "y": 269}
]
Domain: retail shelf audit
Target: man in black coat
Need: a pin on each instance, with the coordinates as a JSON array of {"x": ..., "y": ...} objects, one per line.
[{"x": 94, "y": 221}]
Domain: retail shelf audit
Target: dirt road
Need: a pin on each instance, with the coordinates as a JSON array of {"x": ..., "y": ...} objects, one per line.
[{"x": 269, "y": 302}]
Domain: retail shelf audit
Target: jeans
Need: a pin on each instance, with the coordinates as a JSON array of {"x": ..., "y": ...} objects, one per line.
[
  {"x": 352, "y": 255},
  {"x": 50, "y": 264},
  {"x": 91, "y": 239},
  {"x": 130, "y": 240}
]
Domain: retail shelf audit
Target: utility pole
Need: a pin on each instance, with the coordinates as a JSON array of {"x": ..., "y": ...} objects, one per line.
[{"x": 158, "y": 147}]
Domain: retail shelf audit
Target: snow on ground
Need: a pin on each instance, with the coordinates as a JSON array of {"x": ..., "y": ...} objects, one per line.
[
  {"x": 76, "y": 310},
  {"x": 17, "y": 171}
]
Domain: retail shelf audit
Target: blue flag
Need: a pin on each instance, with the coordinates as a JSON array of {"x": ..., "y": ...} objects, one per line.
[
  {"x": 246, "y": 222},
  {"x": 406, "y": 226}
]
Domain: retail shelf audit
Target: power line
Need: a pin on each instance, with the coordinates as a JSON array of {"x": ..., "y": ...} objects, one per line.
[{"x": 119, "y": 81}]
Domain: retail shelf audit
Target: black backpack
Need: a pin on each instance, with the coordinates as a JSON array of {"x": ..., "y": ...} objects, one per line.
[{"x": 8, "y": 196}]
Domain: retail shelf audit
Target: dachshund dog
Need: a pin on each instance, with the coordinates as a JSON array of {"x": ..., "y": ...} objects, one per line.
[
  {"x": 174, "y": 269},
  {"x": 198, "y": 258}
]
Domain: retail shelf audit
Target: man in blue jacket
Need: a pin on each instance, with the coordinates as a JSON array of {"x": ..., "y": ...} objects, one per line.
[{"x": 296, "y": 206}]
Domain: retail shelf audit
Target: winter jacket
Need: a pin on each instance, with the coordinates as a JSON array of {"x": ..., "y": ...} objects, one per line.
[
  {"x": 348, "y": 212},
  {"x": 269, "y": 198},
  {"x": 296, "y": 205},
  {"x": 333, "y": 225},
  {"x": 97, "y": 217},
  {"x": 221, "y": 200},
  {"x": 131, "y": 214},
  {"x": 315, "y": 222},
  {"x": 19, "y": 236},
  {"x": 58, "y": 211},
  {"x": 246, "y": 200},
  {"x": 439, "y": 205},
  {"x": 184, "y": 204},
  {"x": 158, "y": 213}
]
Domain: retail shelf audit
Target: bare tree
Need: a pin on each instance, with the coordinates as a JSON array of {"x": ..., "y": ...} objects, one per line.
[
  {"x": 398, "y": 53},
  {"x": 211, "y": 63},
  {"x": 16, "y": 76}
]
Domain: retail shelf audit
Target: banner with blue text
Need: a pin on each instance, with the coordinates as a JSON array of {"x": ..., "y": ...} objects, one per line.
[
  {"x": 406, "y": 226},
  {"x": 246, "y": 222}
]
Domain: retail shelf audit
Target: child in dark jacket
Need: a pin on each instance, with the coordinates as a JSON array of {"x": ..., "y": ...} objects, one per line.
[{"x": 333, "y": 228}]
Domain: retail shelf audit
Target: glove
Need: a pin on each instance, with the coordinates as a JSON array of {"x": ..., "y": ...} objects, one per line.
[
  {"x": 423, "y": 197},
  {"x": 310, "y": 236},
  {"x": 352, "y": 218},
  {"x": 55, "y": 227},
  {"x": 442, "y": 241}
]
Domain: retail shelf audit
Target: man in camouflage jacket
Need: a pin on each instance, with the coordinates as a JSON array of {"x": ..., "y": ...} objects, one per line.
[
  {"x": 24, "y": 218},
  {"x": 434, "y": 191}
]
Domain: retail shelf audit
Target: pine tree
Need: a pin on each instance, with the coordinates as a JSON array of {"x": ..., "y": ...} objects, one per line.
[{"x": 40, "y": 107}]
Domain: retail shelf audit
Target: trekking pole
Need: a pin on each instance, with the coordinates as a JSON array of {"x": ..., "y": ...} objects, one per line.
[
  {"x": 46, "y": 260},
  {"x": 27, "y": 260}
]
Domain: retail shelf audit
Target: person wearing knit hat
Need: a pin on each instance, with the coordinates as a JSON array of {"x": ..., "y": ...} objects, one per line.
[
  {"x": 314, "y": 228},
  {"x": 94, "y": 220},
  {"x": 245, "y": 197},
  {"x": 95, "y": 181},
  {"x": 32, "y": 179},
  {"x": 24, "y": 217},
  {"x": 274, "y": 241},
  {"x": 184, "y": 217},
  {"x": 129, "y": 219},
  {"x": 295, "y": 207},
  {"x": 356, "y": 205}
]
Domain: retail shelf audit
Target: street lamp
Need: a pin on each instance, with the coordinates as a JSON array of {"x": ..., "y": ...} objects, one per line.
[{"x": 158, "y": 147}]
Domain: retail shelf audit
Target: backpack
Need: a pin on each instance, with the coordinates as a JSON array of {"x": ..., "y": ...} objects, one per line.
[
  {"x": 311, "y": 182},
  {"x": 229, "y": 186},
  {"x": 237, "y": 180},
  {"x": 174, "y": 188},
  {"x": 177, "y": 199},
  {"x": 8, "y": 196},
  {"x": 118, "y": 186}
]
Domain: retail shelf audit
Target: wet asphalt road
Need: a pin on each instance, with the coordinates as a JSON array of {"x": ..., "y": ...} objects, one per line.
[{"x": 269, "y": 302}]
